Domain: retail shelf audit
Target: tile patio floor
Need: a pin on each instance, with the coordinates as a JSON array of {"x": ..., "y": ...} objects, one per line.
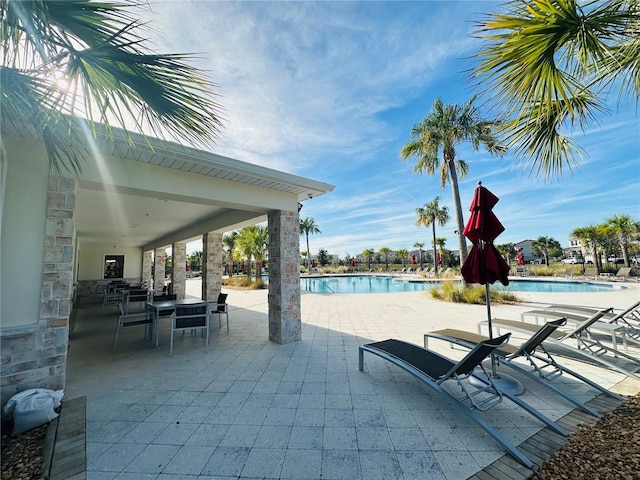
[{"x": 248, "y": 408}]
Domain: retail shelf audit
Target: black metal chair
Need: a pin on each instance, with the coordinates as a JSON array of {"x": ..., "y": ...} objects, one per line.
[
  {"x": 221, "y": 308},
  {"x": 137, "y": 318},
  {"x": 190, "y": 317}
]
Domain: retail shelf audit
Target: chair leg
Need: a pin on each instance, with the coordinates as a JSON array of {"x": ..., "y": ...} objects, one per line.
[
  {"x": 227, "y": 322},
  {"x": 171, "y": 343},
  {"x": 115, "y": 338}
]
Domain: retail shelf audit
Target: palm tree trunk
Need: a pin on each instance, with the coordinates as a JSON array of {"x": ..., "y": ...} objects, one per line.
[
  {"x": 308, "y": 255},
  {"x": 435, "y": 254},
  {"x": 455, "y": 191}
]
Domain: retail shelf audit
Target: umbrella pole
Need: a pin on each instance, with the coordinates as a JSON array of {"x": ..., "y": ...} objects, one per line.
[
  {"x": 487, "y": 296},
  {"x": 504, "y": 382}
]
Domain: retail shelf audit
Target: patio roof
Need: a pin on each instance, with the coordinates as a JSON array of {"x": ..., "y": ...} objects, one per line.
[{"x": 147, "y": 192}]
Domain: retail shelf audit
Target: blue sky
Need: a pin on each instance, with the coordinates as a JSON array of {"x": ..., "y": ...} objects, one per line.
[{"x": 331, "y": 90}]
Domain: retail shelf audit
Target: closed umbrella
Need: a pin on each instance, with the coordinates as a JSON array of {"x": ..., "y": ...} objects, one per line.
[{"x": 484, "y": 264}]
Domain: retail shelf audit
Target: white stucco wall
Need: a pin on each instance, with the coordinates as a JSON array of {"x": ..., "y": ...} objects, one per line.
[
  {"x": 91, "y": 256},
  {"x": 23, "y": 227}
]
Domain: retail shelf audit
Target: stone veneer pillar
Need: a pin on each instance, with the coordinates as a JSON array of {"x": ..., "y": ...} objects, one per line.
[
  {"x": 147, "y": 268},
  {"x": 35, "y": 356},
  {"x": 178, "y": 268},
  {"x": 285, "y": 321},
  {"x": 160, "y": 257},
  {"x": 211, "y": 266}
]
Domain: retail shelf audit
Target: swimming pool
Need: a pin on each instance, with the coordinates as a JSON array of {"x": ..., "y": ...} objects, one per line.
[{"x": 386, "y": 284}]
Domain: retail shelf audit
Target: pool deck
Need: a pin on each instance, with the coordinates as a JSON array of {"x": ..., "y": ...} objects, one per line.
[{"x": 248, "y": 408}]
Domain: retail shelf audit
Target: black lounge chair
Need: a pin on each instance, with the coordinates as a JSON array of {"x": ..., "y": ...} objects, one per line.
[
  {"x": 435, "y": 369},
  {"x": 588, "y": 347},
  {"x": 544, "y": 366}
]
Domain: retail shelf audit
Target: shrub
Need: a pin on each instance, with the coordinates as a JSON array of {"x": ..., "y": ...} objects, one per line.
[{"x": 472, "y": 294}]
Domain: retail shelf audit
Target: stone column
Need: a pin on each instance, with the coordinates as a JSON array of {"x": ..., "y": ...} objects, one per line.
[
  {"x": 160, "y": 256},
  {"x": 178, "y": 268},
  {"x": 211, "y": 266},
  {"x": 35, "y": 356},
  {"x": 147, "y": 268},
  {"x": 285, "y": 321}
]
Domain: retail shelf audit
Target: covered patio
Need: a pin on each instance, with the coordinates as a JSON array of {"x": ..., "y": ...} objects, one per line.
[{"x": 134, "y": 198}]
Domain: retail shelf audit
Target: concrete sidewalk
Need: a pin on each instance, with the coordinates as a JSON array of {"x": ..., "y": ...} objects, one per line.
[{"x": 248, "y": 408}]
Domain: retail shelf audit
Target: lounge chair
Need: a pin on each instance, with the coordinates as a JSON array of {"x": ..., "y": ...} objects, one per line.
[
  {"x": 544, "y": 367},
  {"x": 588, "y": 348},
  {"x": 435, "y": 369},
  {"x": 629, "y": 317},
  {"x": 621, "y": 274},
  {"x": 612, "y": 329},
  {"x": 590, "y": 272},
  {"x": 568, "y": 273}
]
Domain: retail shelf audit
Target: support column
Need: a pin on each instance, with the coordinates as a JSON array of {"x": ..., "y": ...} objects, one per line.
[
  {"x": 211, "y": 266},
  {"x": 178, "y": 269},
  {"x": 35, "y": 356},
  {"x": 285, "y": 320},
  {"x": 147, "y": 268},
  {"x": 160, "y": 257}
]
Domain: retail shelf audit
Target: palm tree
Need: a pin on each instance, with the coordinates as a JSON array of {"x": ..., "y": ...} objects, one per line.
[
  {"x": 547, "y": 63},
  {"x": 440, "y": 132},
  {"x": 625, "y": 227},
  {"x": 386, "y": 251},
  {"x": 368, "y": 254},
  {"x": 507, "y": 250},
  {"x": 87, "y": 59},
  {"x": 308, "y": 226},
  {"x": 428, "y": 215},
  {"x": 229, "y": 241},
  {"x": 252, "y": 242},
  {"x": 439, "y": 242},
  {"x": 403, "y": 253},
  {"x": 544, "y": 246},
  {"x": 590, "y": 237},
  {"x": 419, "y": 246}
]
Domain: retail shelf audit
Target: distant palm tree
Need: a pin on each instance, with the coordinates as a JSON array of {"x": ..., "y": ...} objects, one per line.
[
  {"x": 385, "y": 251},
  {"x": 431, "y": 214},
  {"x": 625, "y": 228},
  {"x": 440, "y": 242},
  {"x": 85, "y": 58},
  {"x": 308, "y": 226},
  {"x": 507, "y": 250},
  {"x": 419, "y": 246},
  {"x": 439, "y": 133},
  {"x": 544, "y": 246},
  {"x": 229, "y": 241},
  {"x": 590, "y": 237},
  {"x": 253, "y": 243},
  {"x": 403, "y": 254},
  {"x": 547, "y": 64},
  {"x": 368, "y": 254}
]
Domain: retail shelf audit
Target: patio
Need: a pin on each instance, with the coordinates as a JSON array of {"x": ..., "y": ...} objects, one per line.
[{"x": 250, "y": 408}]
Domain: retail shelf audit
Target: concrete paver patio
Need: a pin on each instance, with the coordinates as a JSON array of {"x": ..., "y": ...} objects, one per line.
[{"x": 248, "y": 408}]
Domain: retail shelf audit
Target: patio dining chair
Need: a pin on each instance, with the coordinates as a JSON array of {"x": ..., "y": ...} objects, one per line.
[
  {"x": 221, "y": 308},
  {"x": 133, "y": 318},
  {"x": 190, "y": 317}
]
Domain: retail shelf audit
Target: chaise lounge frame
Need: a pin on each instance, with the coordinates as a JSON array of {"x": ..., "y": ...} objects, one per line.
[
  {"x": 544, "y": 368},
  {"x": 588, "y": 347},
  {"x": 434, "y": 369}
]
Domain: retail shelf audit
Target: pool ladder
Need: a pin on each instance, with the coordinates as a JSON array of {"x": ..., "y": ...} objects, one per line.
[{"x": 327, "y": 285}]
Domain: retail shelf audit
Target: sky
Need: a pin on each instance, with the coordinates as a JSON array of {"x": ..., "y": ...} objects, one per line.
[{"x": 330, "y": 91}]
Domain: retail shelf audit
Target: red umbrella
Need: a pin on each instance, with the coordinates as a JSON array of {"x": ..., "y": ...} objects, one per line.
[
  {"x": 484, "y": 264},
  {"x": 413, "y": 259},
  {"x": 353, "y": 262}
]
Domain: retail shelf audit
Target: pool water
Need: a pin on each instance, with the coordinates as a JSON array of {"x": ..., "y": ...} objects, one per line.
[{"x": 385, "y": 284}]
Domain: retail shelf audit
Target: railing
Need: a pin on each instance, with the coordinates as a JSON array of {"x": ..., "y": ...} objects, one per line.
[{"x": 327, "y": 285}]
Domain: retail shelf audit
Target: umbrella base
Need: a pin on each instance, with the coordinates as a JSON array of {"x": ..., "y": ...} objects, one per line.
[{"x": 505, "y": 383}]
